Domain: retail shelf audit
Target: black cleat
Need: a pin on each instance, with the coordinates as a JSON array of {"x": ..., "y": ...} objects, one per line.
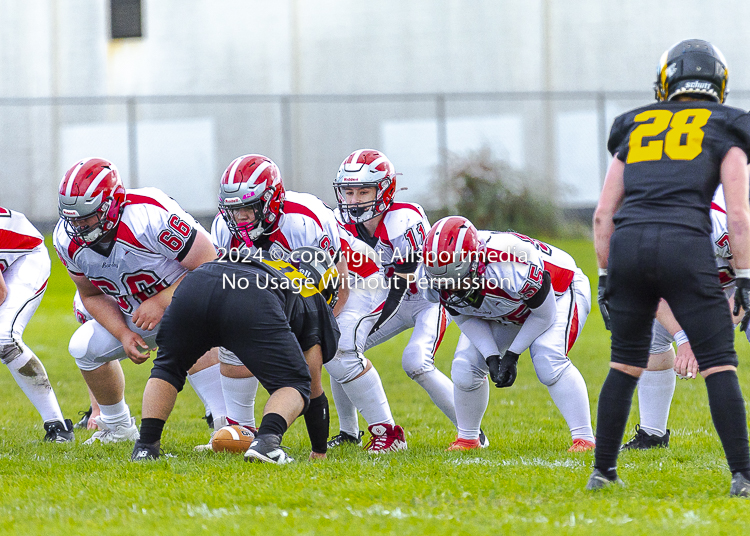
[
  {"x": 598, "y": 481},
  {"x": 483, "y": 441},
  {"x": 146, "y": 451},
  {"x": 59, "y": 432},
  {"x": 740, "y": 486},
  {"x": 85, "y": 416},
  {"x": 642, "y": 440},
  {"x": 267, "y": 448},
  {"x": 343, "y": 438},
  {"x": 209, "y": 420}
]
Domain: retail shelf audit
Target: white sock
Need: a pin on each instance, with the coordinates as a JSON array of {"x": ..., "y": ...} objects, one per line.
[
  {"x": 655, "y": 391},
  {"x": 207, "y": 383},
  {"x": 239, "y": 398},
  {"x": 572, "y": 399},
  {"x": 470, "y": 408},
  {"x": 348, "y": 421},
  {"x": 440, "y": 389},
  {"x": 368, "y": 396},
  {"x": 115, "y": 414},
  {"x": 200, "y": 396},
  {"x": 35, "y": 384}
]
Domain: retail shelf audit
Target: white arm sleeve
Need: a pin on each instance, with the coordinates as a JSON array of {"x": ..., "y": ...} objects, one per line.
[
  {"x": 479, "y": 332},
  {"x": 537, "y": 323}
]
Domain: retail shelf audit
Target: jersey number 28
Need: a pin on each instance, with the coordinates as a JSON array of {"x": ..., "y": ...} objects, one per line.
[{"x": 683, "y": 141}]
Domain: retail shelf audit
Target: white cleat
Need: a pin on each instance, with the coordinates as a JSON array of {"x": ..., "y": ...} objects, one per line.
[{"x": 114, "y": 434}]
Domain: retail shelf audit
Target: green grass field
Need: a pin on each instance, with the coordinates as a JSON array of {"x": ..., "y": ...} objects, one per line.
[{"x": 525, "y": 482}]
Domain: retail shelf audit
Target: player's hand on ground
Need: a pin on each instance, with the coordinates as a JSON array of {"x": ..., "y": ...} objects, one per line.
[
  {"x": 135, "y": 347},
  {"x": 604, "y": 300},
  {"x": 149, "y": 313},
  {"x": 685, "y": 364},
  {"x": 318, "y": 455}
]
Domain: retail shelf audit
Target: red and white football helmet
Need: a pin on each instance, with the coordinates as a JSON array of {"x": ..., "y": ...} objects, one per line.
[
  {"x": 365, "y": 167},
  {"x": 91, "y": 187},
  {"x": 452, "y": 259},
  {"x": 251, "y": 181}
]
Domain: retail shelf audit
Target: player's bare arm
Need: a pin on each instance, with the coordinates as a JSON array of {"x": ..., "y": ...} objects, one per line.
[
  {"x": 149, "y": 313},
  {"x": 105, "y": 310},
  {"x": 685, "y": 364},
  {"x": 610, "y": 200}
]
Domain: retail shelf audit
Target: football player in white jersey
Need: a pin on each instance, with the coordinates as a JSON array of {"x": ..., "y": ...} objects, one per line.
[
  {"x": 365, "y": 186},
  {"x": 508, "y": 293},
  {"x": 657, "y": 383},
  {"x": 256, "y": 212},
  {"x": 126, "y": 252},
  {"x": 24, "y": 271}
]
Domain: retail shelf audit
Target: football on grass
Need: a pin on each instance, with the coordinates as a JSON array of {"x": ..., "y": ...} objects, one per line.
[{"x": 234, "y": 438}]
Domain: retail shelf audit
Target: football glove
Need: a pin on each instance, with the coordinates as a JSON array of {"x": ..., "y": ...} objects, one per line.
[
  {"x": 742, "y": 299},
  {"x": 603, "y": 301},
  {"x": 503, "y": 371}
]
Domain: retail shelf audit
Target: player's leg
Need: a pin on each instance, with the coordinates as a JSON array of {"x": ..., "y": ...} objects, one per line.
[
  {"x": 418, "y": 359},
  {"x": 655, "y": 391},
  {"x": 700, "y": 307},
  {"x": 471, "y": 392},
  {"x": 240, "y": 388},
  {"x": 205, "y": 379},
  {"x": 88, "y": 417},
  {"x": 632, "y": 305},
  {"x": 563, "y": 380},
  {"x": 26, "y": 281},
  {"x": 358, "y": 379},
  {"x": 184, "y": 336},
  {"x": 97, "y": 353}
]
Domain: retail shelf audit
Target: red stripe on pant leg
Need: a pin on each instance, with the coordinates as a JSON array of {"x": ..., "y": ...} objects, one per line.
[
  {"x": 442, "y": 328},
  {"x": 573, "y": 334}
]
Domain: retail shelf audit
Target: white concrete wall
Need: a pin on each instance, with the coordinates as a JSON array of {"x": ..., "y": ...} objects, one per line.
[{"x": 60, "y": 48}]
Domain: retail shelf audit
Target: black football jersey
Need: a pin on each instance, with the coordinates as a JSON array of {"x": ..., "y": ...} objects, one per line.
[{"x": 672, "y": 153}]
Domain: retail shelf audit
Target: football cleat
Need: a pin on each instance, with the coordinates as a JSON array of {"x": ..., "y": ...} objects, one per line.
[
  {"x": 59, "y": 432},
  {"x": 145, "y": 451},
  {"x": 343, "y": 439},
  {"x": 598, "y": 481},
  {"x": 740, "y": 486},
  {"x": 113, "y": 434},
  {"x": 385, "y": 438},
  {"x": 581, "y": 445},
  {"x": 85, "y": 416},
  {"x": 642, "y": 440},
  {"x": 267, "y": 448},
  {"x": 484, "y": 442},
  {"x": 465, "y": 444}
]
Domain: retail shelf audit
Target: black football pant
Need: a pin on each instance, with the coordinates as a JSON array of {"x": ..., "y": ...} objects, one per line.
[{"x": 250, "y": 322}]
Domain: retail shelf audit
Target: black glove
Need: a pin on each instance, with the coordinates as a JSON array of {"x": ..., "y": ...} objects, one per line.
[
  {"x": 603, "y": 301},
  {"x": 503, "y": 371},
  {"x": 742, "y": 299}
]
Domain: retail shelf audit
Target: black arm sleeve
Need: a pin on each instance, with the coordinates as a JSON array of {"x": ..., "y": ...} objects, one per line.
[
  {"x": 398, "y": 289},
  {"x": 188, "y": 244},
  {"x": 538, "y": 299}
]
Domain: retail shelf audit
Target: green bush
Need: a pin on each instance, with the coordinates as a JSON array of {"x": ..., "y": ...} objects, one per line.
[{"x": 494, "y": 195}]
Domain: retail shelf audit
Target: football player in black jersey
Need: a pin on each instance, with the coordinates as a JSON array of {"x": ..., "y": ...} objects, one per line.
[{"x": 652, "y": 238}]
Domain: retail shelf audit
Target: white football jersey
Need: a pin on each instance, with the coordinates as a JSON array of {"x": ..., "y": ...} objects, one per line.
[
  {"x": 153, "y": 236},
  {"x": 401, "y": 231},
  {"x": 307, "y": 221},
  {"x": 514, "y": 270},
  {"x": 720, "y": 239},
  {"x": 18, "y": 237}
]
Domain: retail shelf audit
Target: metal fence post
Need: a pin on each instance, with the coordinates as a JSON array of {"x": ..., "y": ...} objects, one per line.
[
  {"x": 286, "y": 139},
  {"x": 132, "y": 120},
  {"x": 442, "y": 137},
  {"x": 601, "y": 146}
]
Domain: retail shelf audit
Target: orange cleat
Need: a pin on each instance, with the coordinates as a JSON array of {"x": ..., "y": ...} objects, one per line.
[
  {"x": 465, "y": 444},
  {"x": 581, "y": 445}
]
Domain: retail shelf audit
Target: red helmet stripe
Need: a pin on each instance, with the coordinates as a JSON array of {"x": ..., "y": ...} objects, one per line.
[
  {"x": 232, "y": 170},
  {"x": 260, "y": 169},
  {"x": 97, "y": 181}
]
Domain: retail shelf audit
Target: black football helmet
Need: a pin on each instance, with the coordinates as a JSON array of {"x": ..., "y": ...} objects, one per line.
[
  {"x": 319, "y": 269},
  {"x": 693, "y": 67}
]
